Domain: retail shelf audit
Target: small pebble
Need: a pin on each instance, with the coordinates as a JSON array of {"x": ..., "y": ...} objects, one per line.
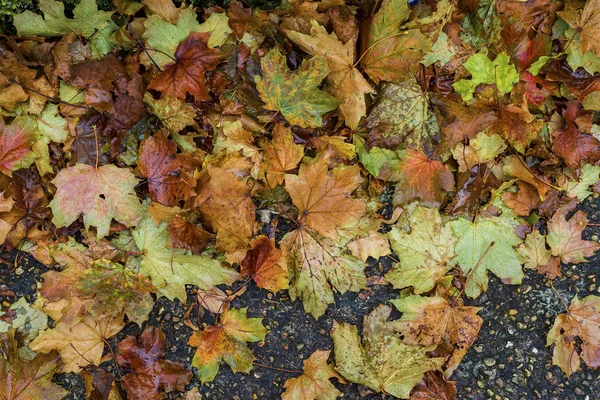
[{"x": 489, "y": 362}]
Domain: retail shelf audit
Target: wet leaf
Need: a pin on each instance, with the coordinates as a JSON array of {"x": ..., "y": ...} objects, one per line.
[
  {"x": 263, "y": 263},
  {"x": 314, "y": 382},
  {"x": 565, "y": 238}
]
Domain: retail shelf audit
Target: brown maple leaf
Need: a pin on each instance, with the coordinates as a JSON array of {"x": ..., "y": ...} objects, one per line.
[
  {"x": 263, "y": 263},
  {"x": 582, "y": 320},
  {"x": 150, "y": 373},
  {"x": 423, "y": 178},
  {"x": 170, "y": 175},
  {"x": 565, "y": 238},
  {"x": 434, "y": 386},
  {"x": 186, "y": 75},
  {"x": 525, "y": 200},
  {"x": 323, "y": 196}
]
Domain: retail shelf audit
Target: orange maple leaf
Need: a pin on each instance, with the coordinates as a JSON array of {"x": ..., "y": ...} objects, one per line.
[
  {"x": 423, "y": 178},
  {"x": 323, "y": 197},
  {"x": 263, "y": 263}
]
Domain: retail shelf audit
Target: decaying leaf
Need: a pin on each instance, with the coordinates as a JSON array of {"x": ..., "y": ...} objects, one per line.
[
  {"x": 565, "y": 238},
  {"x": 263, "y": 263}
]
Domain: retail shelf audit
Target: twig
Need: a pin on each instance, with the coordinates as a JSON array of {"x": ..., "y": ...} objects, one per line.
[{"x": 291, "y": 371}]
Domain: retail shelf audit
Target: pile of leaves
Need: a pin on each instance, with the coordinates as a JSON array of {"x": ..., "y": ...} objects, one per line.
[{"x": 161, "y": 150}]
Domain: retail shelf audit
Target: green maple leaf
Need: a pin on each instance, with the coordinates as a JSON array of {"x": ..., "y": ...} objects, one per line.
[
  {"x": 87, "y": 19},
  {"x": 171, "y": 269},
  {"x": 484, "y": 70},
  {"x": 579, "y": 188},
  {"x": 383, "y": 363},
  {"x": 295, "y": 93},
  {"x": 486, "y": 245},
  {"x": 425, "y": 247}
]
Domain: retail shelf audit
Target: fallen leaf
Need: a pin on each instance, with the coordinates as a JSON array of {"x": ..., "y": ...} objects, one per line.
[
  {"x": 264, "y": 265},
  {"x": 324, "y": 197},
  {"x": 434, "y": 320},
  {"x": 486, "y": 244},
  {"x": 316, "y": 268},
  {"x": 381, "y": 362},
  {"x": 280, "y": 155},
  {"x": 185, "y": 235},
  {"x": 314, "y": 382},
  {"x": 80, "y": 344},
  {"x": 295, "y": 93},
  {"x": 151, "y": 373},
  {"x": 374, "y": 245},
  {"x": 422, "y": 178},
  {"x": 534, "y": 250},
  {"x": 388, "y": 52},
  {"x": 582, "y": 320},
  {"x": 565, "y": 238},
  {"x": 425, "y": 247},
  {"x": 226, "y": 342},
  {"x": 15, "y": 143},
  {"x": 345, "y": 81},
  {"x": 22, "y": 379},
  {"x": 171, "y": 269},
  {"x": 193, "y": 58}
]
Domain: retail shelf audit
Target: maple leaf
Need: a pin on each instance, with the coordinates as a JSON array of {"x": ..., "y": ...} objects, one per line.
[
  {"x": 15, "y": 152},
  {"x": 382, "y": 362},
  {"x": 422, "y": 178},
  {"x": 171, "y": 269},
  {"x": 565, "y": 237},
  {"x": 81, "y": 343},
  {"x": 236, "y": 138},
  {"x": 402, "y": 118},
  {"x": 263, "y": 264},
  {"x": 323, "y": 197},
  {"x": 226, "y": 342},
  {"x": 193, "y": 58},
  {"x": 582, "y": 320},
  {"x": 150, "y": 372},
  {"x": 22, "y": 379},
  {"x": 295, "y": 93},
  {"x": 434, "y": 320},
  {"x": 317, "y": 267},
  {"x": 425, "y": 247},
  {"x": 388, "y": 53},
  {"x": 588, "y": 24},
  {"x": 24, "y": 319},
  {"x": 227, "y": 209},
  {"x": 534, "y": 250},
  {"x": 589, "y": 175},
  {"x": 100, "y": 194},
  {"x": 524, "y": 201},
  {"x": 170, "y": 175},
  {"x": 345, "y": 81},
  {"x": 485, "y": 71},
  {"x": 280, "y": 155},
  {"x": 486, "y": 244},
  {"x": 314, "y": 382},
  {"x": 87, "y": 20}
]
